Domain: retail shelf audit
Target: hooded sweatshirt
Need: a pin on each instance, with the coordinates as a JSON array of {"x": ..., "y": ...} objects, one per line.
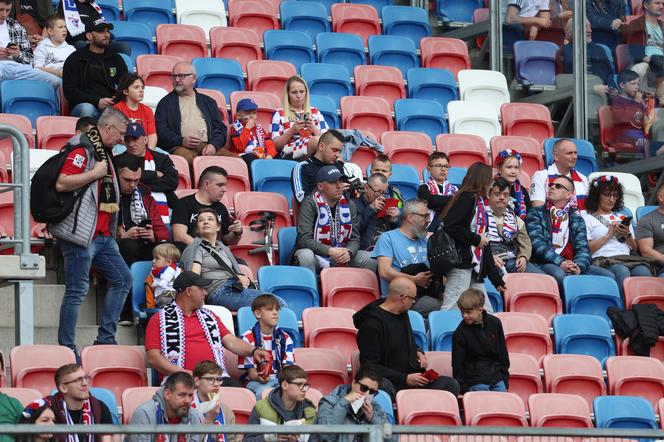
[
  {"x": 386, "y": 341},
  {"x": 10, "y": 412},
  {"x": 268, "y": 407}
]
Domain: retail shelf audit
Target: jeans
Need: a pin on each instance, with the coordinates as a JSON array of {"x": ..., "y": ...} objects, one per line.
[
  {"x": 442, "y": 383},
  {"x": 510, "y": 266},
  {"x": 259, "y": 387},
  {"x": 361, "y": 260},
  {"x": 558, "y": 273},
  {"x": 620, "y": 272},
  {"x": 498, "y": 386},
  {"x": 20, "y": 71},
  {"x": 458, "y": 281},
  {"x": 104, "y": 254},
  {"x": 85, "y": 110},
  {"x": 233, "y": 299}
]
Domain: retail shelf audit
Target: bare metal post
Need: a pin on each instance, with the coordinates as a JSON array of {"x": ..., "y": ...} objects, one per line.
[{"x": 580, "y": 72}]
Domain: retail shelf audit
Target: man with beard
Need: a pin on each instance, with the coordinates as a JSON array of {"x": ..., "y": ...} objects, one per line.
[{"x": 407, "y": 247}]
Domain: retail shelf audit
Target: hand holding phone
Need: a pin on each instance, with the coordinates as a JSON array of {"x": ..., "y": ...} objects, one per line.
[{"x": 626, "y": 221}]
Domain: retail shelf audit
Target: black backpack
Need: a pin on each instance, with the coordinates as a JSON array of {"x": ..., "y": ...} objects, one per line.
[{"x": 442, "y": 252}]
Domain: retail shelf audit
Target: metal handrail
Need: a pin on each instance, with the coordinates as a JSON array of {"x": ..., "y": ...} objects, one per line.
[{"x": 21, "y": 186}]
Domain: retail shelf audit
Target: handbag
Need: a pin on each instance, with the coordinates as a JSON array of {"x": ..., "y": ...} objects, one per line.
[
  {"x": 442, "y": 252},
  {"x": 237, "y": 285}
]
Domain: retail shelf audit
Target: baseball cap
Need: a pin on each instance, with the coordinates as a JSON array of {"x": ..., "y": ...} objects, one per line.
[
  {"x": 246, "y": 104},
  {"x": 134, "y": 130},
  {"x": 98, "y": 26},
  {"x": 329, "y": 174},
  {"x": 189, "y": 279}
]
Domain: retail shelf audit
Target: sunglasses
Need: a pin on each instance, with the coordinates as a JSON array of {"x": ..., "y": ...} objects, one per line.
[
  {"x": 364, "y": 389},
  {"x": 558, "y": 186}
]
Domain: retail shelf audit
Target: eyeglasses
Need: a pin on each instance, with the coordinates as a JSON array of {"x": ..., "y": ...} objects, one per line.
[
  {"x": 413, "y": 299},
  {"x": 213, "y": 380},
  {"x": 365, "y": 388},
  {"x": 180, "y": 76},
  {"x": 610, "y": 194},
  {"x": 303, "y": 386},
  {"x": 558, "y": 186},
  {"x": 420, "y": 214},
  {"x": 439, "y": 166},
  {"x": 374, "y": 190},
  {"x": 121, "y": 132},
  {"x": 78, "y": 380}
]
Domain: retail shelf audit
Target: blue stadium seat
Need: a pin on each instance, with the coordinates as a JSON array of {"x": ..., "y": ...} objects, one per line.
[
  {"x": 108, "y": 398},
  {"x": 419, "y": 330},
  {"x": 378, "y": 4},
  {"x": 346, "y": 50},
  {"x": 407, "y": 179},
  {"x": 495, "y": 297},
  {"x": 392, "y": 50},
  {"x": 149, "y": 12},
  {"x": 295, "y": 285},
  {"x": 273, "y": 176},
  {"x": 417, "y": 115},
  {"x": 535, "y": 62},
  {"x": 383, "y": 399},
  {"x": 30, "y": 98},
  {"x": 328, "y": 108},
  {"x": 308, "y": 17},
  {"x": 131, "y": 66},
  {"x": 137, "y": 35},
  {"x": 643, "y": 211},
  {"x": 624, "y": 412},
  {"x": 457, "y": 10},
  {"x": 583, "y": 335},
  {"x": 110, "y": 9},
  {"x": 286, "y": 240},
  {"x": 326, "y": 79},
  {"x": 327, "y": 3},
  {"x": 590, "y": 294},
  {"x": 221, "y": 74},
  {"x": 586, "y": 162},
  {"x": 140, "y": 271},
  {"x": 442, "y": 325},
  {"x": 432, "y": 84},
  {"x": 455, "y": 175},
  {"x": 406, "y": 21},
  {"x": 294, "y": 47},
  {"x": 287, "y": 322}
]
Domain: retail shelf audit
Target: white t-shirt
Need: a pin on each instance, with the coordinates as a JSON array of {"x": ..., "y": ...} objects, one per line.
[
  {"x": 596, "y": 230},
  {"x": 50, "y": 56},
  {"x": 527, "y": 8},
  {"x": 539, "y": 185},
  {"x": 4, "y": 40}
]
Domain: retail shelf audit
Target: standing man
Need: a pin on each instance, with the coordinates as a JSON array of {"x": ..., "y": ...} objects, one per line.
[
  {"x": 330, "y": 145},
  {"x": 650, "y": 232},
  {"x": 87, "y": 235}
]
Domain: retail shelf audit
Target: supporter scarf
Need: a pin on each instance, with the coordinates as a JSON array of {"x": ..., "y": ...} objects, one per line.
[
  {"x": 108, "y": 200},
  {"x": 137, "y": 210},
  {"x": 448, "y": 189},
  {"x": 87, "y": 419},
  {"x": 73, "y": 19},
  {"x": 159, "y": 197},
  {"x": 559, "y": 226},
  {"x": 278, "y": 345},
  {"x": 219, "y": 420},
  {"x": 520, "y": 200},
  {"x": 172, "y": 334},
  {"x": 256, "y": 143},
  {"x": 510, "y": 226},
  {"x": 481, "y": 223},
  {"x": 332, "y": 231},
  {"x": 579, "y": 197},
  {"x": 161, "y": 419}
]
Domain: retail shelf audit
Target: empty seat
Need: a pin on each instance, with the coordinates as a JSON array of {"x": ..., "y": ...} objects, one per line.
[
  {"x": 427, "y": 407},
  {"x": 441, "y": 361},
  {"x": 378, "y": 4},
  {"x": 115, "y": 367},
  {"x": 201, "y": 13},
  {"x": 267, "y": 103},
  {"x": 458, "y": 11},
  {"x": 241, "y": 401},
  {"x": 357, "y": 19},
  {"x": 370, "y": 114},
  {"x": 527, "y": 120},
  {"x": 23, "y": 124},
  {"x": 346, "y": 50},
  {"x": 295, "y": 285},
  {"x": 535, "y": 62},
  {"x": 140, "y": 271},
  {"x": 487, "y": 87},
  {"x": 590, "y": 294},
  {"x": 533, "y": 293},
  {"x": 420, "y": 115},
  {"x": 432, "y": 84},
  {"x": 137, "y": 35},
  {"x": 526, "y": 333},
  {"x": 328, "y": 108},
  {"x": 392, "y": 50},
  {"x": 407, "y": 179},
  {"x": 292, "y": 46},
  {"x": 132, "y": 398},
  {"x": 33, "y": 366},
  {"x": 258, "y": 15},
  {"x": 379, "y": 81},
  {"x": 586, "y": 161},
  {"x": 632, "y": 195},
  {"x": 53, "y": 132},
  {"x": 29, "y": 98},
  {"x": 330, "y": 327},
  {"x": 156, "y": 70},
  {"x": 584, "y": 335},
  {"x": 109, "y": 9},
  {"x": 249, "y": 206},
  {"x": 574, "y": 374},
  {"x": 186, "y": 41},
  {"x": 406, "y": 147},
  {"x": 184, "y": 177},
  {"x": 219, "y": 98},
  {"x": 327, "y": 79},
  {"x": 286, "y": 238},
  {"x": 462, "y": 149},
  {"x": 455, "y": 176},
  {"x": 23, "y": 395},
  {"x": 442, "y": 325},
  {"x": 224, "y": 314},
  {"x": 559, "y": 410},
  {"x": 149, "y": 12},
  {"x": 326, "y": 368},
  {"x": 525, "y": 377},
  {"x": 152, "y": 95},
  {"x": 529, "y": 148},
  {"x": 239, "y": 44},
  {"x": 238, "y": 174},
  {"x": 219, "y": 74},
  {"x": 348, "y": 287},
  {"x": 445, "y": 53},
  {"x": 406, "y": 21},
  {"x": 624, "y": 412},
  {"x": 269, "y": 75},
  {"x": 641, "y": 290},
  {"x": 273, "y": 176},
  {"x": 419, "y": 330},
  {"x": 636, "y": 376},
  {"x": 491, "y": 408},
  {"x": 466, "y": 117},
  {"x": 307, "y": 17}
]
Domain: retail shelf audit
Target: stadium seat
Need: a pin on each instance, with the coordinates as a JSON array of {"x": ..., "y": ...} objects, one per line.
[
  {"x": 586, "y": 161},
  {"x": 23, "y": 395},
  {"x": 457, "y": 11},
  {"x": 480, "y": 15},
  {"x": 23, "y": 124},
  {"x": 292, "y": 46},
  {"x": 426, "y": 116},
  {"x": 463, "y": 150},
  {"x": 137, "y": 35},
  {"x": 132, "y": 398},
  {"x": 535, "y": 62},
  {"x": 295, "y": 285},
  {"x": 184, "y": 178},
  {"x": 643, "y": 211},
  {"x": 584, "y": 335},
  {"x": 249, "y": 206},
  {"x": 307, "y": 17},
  {"x": 432, "y": 84},
  {"x": 524, "y": 376},
  {"x": 53, "y": 132},
  {"x": 574, "y": 374},
  {"x": 404, "y": 147},
  {"x": 526, "y": 333},
  {"x": 632, "y": 195},
  {"x": 33, "y": 366},
  {"x": 239, "y": 44},
  {"x": 379, "y": 81},
  {"x": 244, "y": 250},
  {"x": 330, "y": 327},
  {"x": 238, "y": 174},
  {"x": 491, "y": 408},
  {"x": 527, "y": 120},
  {"x": 624, "y": 412},
  {"x": 487, "y": 87},
  {"x": 419, "y": 330},
  {"x": 591, "y": 295},
  {"x": 139, "y": 271},
  {"x": 357, "y": 19},
  {"x": 370, "y": 114},
  {"x": 273, "y": 176},
  {"x": 29, "y": 98},
  {"x": 219, "y": 74},
  {"x": 445, "y": 53},
  {"x": 327, "y": 79},
  {"x": 225, "y": 314},
  {"x": 149, "y": 12},
  {"x": 442, "y": 325},
  {"x": 115, "y": 367},
  {"x": 186, "y": 41},
  {"x": 559, "y": 410},
  {"x": 240, "y": 400},
  {"x": 348, "y": 287},
  {"x": 328, "y": 108},
  {"x": 287, "y": 322},
  {"x": 202, "y": 13},
  {"x": 156, "y": 70},
  {"x": 529, "y": 148},
  {"x": 346, "y": 50},
  {"x": 407, "y": 179},
  {"x": 636, "y": 376},
  {"x": 641, "y": 290},
  {"x": 286, "y": 238},
  {"x": 427, "y": 407},
  {"x": 152, "y": 95},
  {"x": 391, "y": 50},
  {"x": 466, "y": 117},
  {"x": 258, "y": 15},
  {"x": 326, "y": 368},
  {"x": 269, "y": 76},
  {"x": 385, "y": 401},
  {"x": 406, "y": 21},
  {"x": 109, "y": 9},
  {"x": 455, "y": 175},
  {"x": 532, "y": 293},
  {"x": 495, "y": 297},
  {"x": 219, "y": 98},
  {"x": 267, "y": 102},
  {"x": 441, "y": 361}
]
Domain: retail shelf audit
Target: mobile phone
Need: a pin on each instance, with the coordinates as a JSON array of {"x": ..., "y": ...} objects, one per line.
[
  {"x": 145, "y": 223},
  {"x": 627, "y": 221},
  {"x": 11, "y": 45}
]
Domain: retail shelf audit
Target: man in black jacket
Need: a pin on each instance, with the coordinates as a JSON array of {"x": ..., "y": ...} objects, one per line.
[
  {"x": 385, "y": 339},
  {"x": 330, "y": 145}
]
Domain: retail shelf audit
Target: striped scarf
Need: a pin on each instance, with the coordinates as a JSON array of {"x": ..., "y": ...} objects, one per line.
[
  {"x": 579, "y": 197},
  {"x": 256, "y": 143},
  {"x": 559, "y": 226},
  {"x": 481, "y": 223},
  {"x": 520, "y": 208},
  {"x": 159, "y": 197},
  {"x": 333, "y": 231},
  {"x": 445, "y": 189}
]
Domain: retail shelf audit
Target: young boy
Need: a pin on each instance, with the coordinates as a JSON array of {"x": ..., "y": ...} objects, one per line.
[
  {"x": 207, "y": 376},
  {"x": 84, "y": 124},
  {"x": 630, "y": 105},
  {"x": 51, "y": 53},
  {"x": 249, "y": 138},
  {"x": 437, "y": 191},
  {"x": 160, "y": 280},
  {"x": 267, "y": 335},
  {"x": 479, "y": 355}
]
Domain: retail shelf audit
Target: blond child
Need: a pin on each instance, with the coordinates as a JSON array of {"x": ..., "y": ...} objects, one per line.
[
  {"x": 159, "y": 284},
  {"x": 52, "y": 51}
]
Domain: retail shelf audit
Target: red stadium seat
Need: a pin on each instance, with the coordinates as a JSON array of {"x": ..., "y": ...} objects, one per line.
[
  {"x": 186, "y": 41},
  {"x": 259, "y": 15},
  {"x": 325, "y": 368},
  {"x": 313, "y": 395},
  {"x": 156, "y": 69},
  {"x": 33, "y": 366},
  {"x": 527, "y": 120},
  {"x": 132, "y": 398},
  {"x": 269, "y": 75},
  {"x": 241, "y": 401},
  {"x": 623, "y": 348},
  {"x": 524, "y": 376},
  {"x": 240, "y": 44},
  {"x": 53, "y": 132},
  {"x": 427, "y": 407},
  {"x": 238, "y": 174},
  {"x": 559, "y": 410},
  {"x": 532, "y": 293},
  {"x": 642, "y": 290},
  {"x": 358, "y": 19},
  {"x": 623, "y": 58},
  {"x": 529, "y": 148},
  {"x": 574, "y": 374},
  {"x": 182, "y": 166},
  {"x": 526, "y": 333},
  {"x": 441, "y": 361},
  {"x": 613, "y": 122},
  {"x": 370, "y": 114},
  {"x": 364, "y": 156},
  {"x": 404, "y": 147},
  {"x": 249, "y": 205},
  {"x": 445, "y": 53},
  {"x": 219, "y": 98},
  {"x": 348, "y": 287},
  {"x": 330, "y": 327},
  {"x": 480, "y": 15},
  {"x": 23, "y": 395},
  {"x": 636, "y": 376},
  {"x": 230, "y": 362},
  {"x": 267, "y": 105},
  {"x": 115, "y": 367},
  {"x": 379, "y": 81},
  {"x": 463, "y": 150},
  {"x": 491, "y": 408},
  {"x": 4, "y": 178},
  {"x": 23, "y": 124}
]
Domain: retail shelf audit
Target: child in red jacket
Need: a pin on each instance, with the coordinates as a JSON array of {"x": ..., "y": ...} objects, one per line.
[{"x": 249, "y": 138}]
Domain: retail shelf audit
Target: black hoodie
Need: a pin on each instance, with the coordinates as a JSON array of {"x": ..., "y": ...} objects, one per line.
[{"x": 386, "y": 341}]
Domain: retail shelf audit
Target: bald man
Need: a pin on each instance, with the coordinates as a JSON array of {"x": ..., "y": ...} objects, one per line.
[
  {"x": 189, "y": 123},
  {"x": 385, "y": 339}
]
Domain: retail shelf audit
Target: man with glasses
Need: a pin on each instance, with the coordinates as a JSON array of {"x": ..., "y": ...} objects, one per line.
[
  {"x": 372, "y": 211},
  {"x": 386, "y": 342},
  {"x": 189, "y": 123},
  {"x": 286, "y": 403},
  {"x": 352, "y": 404},
  {"x": 74, "y": 405}
]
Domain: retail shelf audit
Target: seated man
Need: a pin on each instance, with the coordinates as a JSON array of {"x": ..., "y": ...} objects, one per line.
[
  {"x": 372, "y": 213},
  {"x": 650, "y": 232},
  {"x": 330, "y": 145},
  {"x": 647, "y": 30},
  {"x": 531, "y": 14},
  {"x": 159, "y": 173},
  {"x": 327, "y": 227},
  {"x": 386, "y": 342}
]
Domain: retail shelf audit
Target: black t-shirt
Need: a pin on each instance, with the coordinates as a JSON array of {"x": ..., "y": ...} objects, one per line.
[
  {"x": 77, "y": 418},
  {"x": 186, "y": 212}
]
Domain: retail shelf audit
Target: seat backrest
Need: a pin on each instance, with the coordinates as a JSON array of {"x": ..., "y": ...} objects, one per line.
[
  {"x": 33, "y": 366},
  {"x": 583, "y": 334},
  {"x": 392, "y": 50},
  {"x": 241, "y": 401},
  {"x": 357, "y": 19},
  {"x": 53, "y": 132},
  {"x": 348, "y": 287},
  {"x": 250, "y": 205},
  {"x": 254, "y": 14},
  {"x": 298, "y": 284},
  {"x": 559, "y": 410},
  {"x": 394, "y": 140},
  {"x": 239, "y": 44},
  {"x": 201, "y": 13},
  {"x": 586, "y": 161},
  {"x": 149, "y": 12},
  {"x": 408, "y": 21},
  {"x": 624, "y": 412},
  {"x": 327, "y": 79},
  {"x": 132, "y": 398},
  {"x": 23, "y": 395},
  {"x": 466, "y": 118},
  {"x": 220, "y": 74},
  {"x": 643, "y": 289},
  {"x": 534, "y": 293},
  {"x": 636, "y": 376},
  {"x": 269, "y": 75},
  {"x": 445, "y": 53},
  {"x": 574, "y": 374},
  {"x": 488, "y": 87},
  {"x": 441, "y": 361},
  {"x": 591, "y": 294},
  {"x": 462, "y": 149},
  {"x": 432, "y": 84},
  {"x": 346, "y": 50},
  {"x": 330, "y": 327},
  {"x": 326, "y": 368},
  {"x": 22, "y": 123},
  {"x": 30, "y": 98},
  {"x": 273, "y": 176},
  {"x": 372, "y": 114},
  {"x": 526, "y": 333},
  {"x": 156, "y": 69},
  {"x": 527, "y": 120},
  {"x": 426, "y": 116},
  {"x": 379, "y": 81},
  {"x": 139, "y": 271},
  {"x": 182, "y": 40},
  {"x": 536, "y": 62},
  {"x": 308, "y": 17},
  {"x": 529, "y": 148},
  {"x": 524, "y": 376},
  {"x": 224, "y": 314},
  {"x": 427, "y": 407},
  {"x": 442, "y": 325},
  {"x": 494, "y": 409},
  {"x": 292, "y": 46},
  {"x": 286, "y": 238}
]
